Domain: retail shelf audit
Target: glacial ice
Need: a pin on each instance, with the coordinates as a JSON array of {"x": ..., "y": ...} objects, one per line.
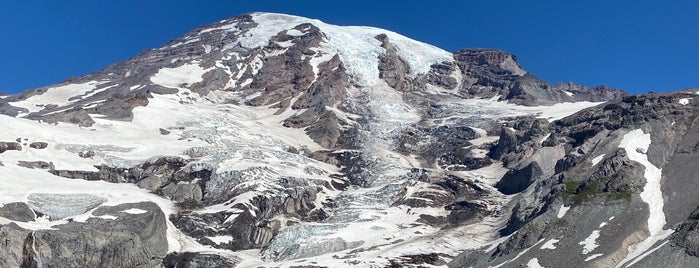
[{"x": 59, "y": 206}]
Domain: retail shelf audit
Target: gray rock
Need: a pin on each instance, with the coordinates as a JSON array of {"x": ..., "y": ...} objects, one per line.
[
  {"x": 18, "y": 211},
  {"x": 198, "y": 260},
  {"x": 5, "y": 146},
  {"x": 38, "y": 145},
  {"x": 35, "y": 164},
  {"x": 130, "y": 240}
]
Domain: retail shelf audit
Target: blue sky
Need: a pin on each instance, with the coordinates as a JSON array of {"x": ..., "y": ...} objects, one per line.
[{"x": 637, "y": 46}]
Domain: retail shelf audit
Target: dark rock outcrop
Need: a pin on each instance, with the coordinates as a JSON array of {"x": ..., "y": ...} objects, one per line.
[{"x": 130, "y": 240}]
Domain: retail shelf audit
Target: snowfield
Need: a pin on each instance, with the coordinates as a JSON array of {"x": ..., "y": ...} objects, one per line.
[{"x": 636, "y": 144}]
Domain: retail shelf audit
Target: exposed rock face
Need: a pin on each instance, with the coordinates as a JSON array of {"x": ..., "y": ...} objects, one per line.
[
  {"x": 38, "y": 145},
  {"x": 129, "y": 240},
  {"x": 488, "y": 73},
  {"x": 18, "y": 211},
  {"x": 197, "y": 260},
  {"x": 5, "y": 146}
]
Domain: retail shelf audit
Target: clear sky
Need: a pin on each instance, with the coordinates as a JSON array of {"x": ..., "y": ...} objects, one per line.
[{"x": 637, "y": 46}]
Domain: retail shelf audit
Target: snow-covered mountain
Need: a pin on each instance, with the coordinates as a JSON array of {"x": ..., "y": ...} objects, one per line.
[{"x": 274, "y": 140}]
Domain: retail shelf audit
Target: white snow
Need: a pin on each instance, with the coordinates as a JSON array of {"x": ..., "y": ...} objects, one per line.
[
  {"x": 604, "y": 223},
  {"x": 633, "y": 142},
  {"x": 107, "y": 217},
  {"x": 568, "y": 93},
  {"x": 590, "y": 243},
  {"x": 561, "y": 110},
  {"x": 551, "y": 244},
  {"x": 222, "y": 239},
  {"x": 534, "y": 263},
  {"x": 134, "y": 211},
  {"x": 294, "y": 32},
  {"x": 544, "y": 138},
  {"x": 55, "y": 95},
  {"x": 597, "y": 159},
  {"x": 356, "y": 45},
  {"x": 518, "y": 255},
  {"x": 185, "y": 42},
  {"x": 645, "y": 254},
  {"x": 562, "y": 211},
  {"x": 684, "y": 101},
  {"x": 187, "y": 74},
  {"x": 593, "y": 256}
]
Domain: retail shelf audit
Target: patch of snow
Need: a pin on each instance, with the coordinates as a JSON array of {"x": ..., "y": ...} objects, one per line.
[
  {"x": 645, "y": 254},
  {"x": 228, "y": 27},
  {"x": 294, "y": 32},
  {"x": 597, "y": 159},
  {"x": 187, "y": 74},
  {"x": 604, "y": 223},
  {"x": 561, "y": 110},
  {"x": 590, "y": 243},
  {"x": 651, "y": 194},
  {"x": 551, "y": 244},
  {"x": 534, "y": 263},
  {"x": 593, "y": 256},
  {"x": 185, "y": 42},
  {"x": 222, "y": 239},
  {"x": 134, "y": 211},
  {"x": 562, "y": 211},
  {"x": 568, "y": 93},
  {"x": 56, "y": 95},
  {"x": 684, "y": 101},
  {"x": 544, "y": 138},
  {"x": 518, "y": 255},
  {"x": 107, "y": 217}
]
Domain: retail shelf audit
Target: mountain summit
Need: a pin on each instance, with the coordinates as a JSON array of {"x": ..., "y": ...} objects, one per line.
[{"x": 275, "y": 140}]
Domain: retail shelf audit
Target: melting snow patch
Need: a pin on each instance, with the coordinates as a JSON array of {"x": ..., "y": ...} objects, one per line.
[
  {"x": 561, "y": 110},
  {"x": 562, "y": 211},
  {"x": 542, "y": 140},
  {"x": 55, "y": 95},
  {"x": 593, "y": 256},
  {"x": 107, "y": 217},
  {"x": 175, "y": 77},
  {"x": 551, "y": 244},
  {"x": 647, "y": 253},
  {"x": 134, "y": 211},
  {"x": 590, "y": 243},
  {"x": 534, "y": 263},
  {"x": 636, "y": 143},
  {"x": 518, "y": 255},
  {"x": 685, "y": 101},
  {"x": 597, "y": 159},
  {"x": 220, "y": 239}
]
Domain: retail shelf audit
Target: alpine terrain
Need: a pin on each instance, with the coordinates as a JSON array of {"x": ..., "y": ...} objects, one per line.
[{"x": 269, "y": 140}]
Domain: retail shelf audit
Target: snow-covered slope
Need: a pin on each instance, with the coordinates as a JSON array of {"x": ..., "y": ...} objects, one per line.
[{"x": 275, "y": 140}]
